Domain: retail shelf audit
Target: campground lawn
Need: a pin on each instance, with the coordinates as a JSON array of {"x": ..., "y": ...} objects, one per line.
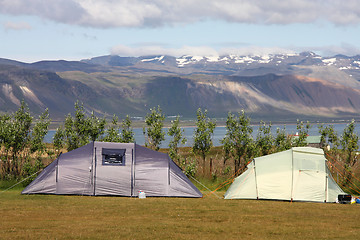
[{"x": 83, "y": 217}]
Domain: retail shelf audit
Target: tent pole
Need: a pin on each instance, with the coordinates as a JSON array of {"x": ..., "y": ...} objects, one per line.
[
  {"x": 169, "y": 170},
  {"x": 95, "y": 173},
  {"x": 133, "y": 163},
  {"x": 57, "y": 172},
  {"x": 57, "y": 166},
  {"x": 292, "y": 174},
  {"x": 132, "y": 174},
  {"x": 92, "y": 166},
  {"x": 326, "y": 180},
  {"x": 257, "y": 193},
  {"x": 326, "y": 185}
]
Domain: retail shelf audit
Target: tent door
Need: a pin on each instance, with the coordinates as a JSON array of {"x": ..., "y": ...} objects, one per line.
[
  {"x": 309, "y": 186},
  {"x": 113, "y": 171}
]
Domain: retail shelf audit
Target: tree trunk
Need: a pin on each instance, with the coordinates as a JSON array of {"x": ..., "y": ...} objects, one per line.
[
  {"x": 211, "y": 166},
  {"x": 237, "y": 163},
  {"x": 347, "y": 175},
  {"x": 204, "y": 172},
  {"x": 238, "y": 166}
]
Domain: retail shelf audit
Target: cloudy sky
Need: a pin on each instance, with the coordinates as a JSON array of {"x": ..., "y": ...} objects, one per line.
[{"x": 33, "y": 30}]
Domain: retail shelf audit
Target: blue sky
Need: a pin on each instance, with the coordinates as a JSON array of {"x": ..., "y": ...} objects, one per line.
[{"x": 77, "y": 29}]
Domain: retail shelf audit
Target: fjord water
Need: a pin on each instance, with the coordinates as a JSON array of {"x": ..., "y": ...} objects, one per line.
[{"x": 220, "y": 132}]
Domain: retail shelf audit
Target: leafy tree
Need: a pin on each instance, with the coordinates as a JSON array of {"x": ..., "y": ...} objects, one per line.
[
  {"x": 19, "y": 136},
  {"x": 238, "y": 142},
  {"x": 328, "y": 136},
  {"x": 96, "y": 127},
  {"x": 71, "y": 137},
  {"x": 21, "y": 128},
  {"x": 5, "y": 121},
  {"x": 282, "y": 140},
  {"x": 323, "y": 135},
  {"x": 6, "y": 131},
  {"x": 18, "y": 141},
  {"x": 203, "y": 135},
  {"x": 264, "y": 139},
  {"x": 333, "y": 136},
  {"x": 303, "y": 130},
  {"x": 81, "y": 129},
  {"x": 59, "y": 139},
  {"x": 39, "y": 132},
  {"x": 154, "y": 133},
  {"x": 190, "y": 167},
  {"x": 37, "y": 146},
  {"x": 350, "y": 145},
  {"x": 79, "y": 126},
  {"x": 112, "y": 133},
  {"x": 127, "y": 132},
  {"x": 178, "y": 138}
]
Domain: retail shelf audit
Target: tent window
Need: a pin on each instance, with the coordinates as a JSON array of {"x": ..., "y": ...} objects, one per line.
[{"x": 113, "y": 157}]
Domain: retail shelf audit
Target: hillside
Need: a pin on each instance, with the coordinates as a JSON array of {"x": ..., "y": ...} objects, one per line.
[
  {"x": 40, "y": 90},
  {"x": 274, "y": 87}
]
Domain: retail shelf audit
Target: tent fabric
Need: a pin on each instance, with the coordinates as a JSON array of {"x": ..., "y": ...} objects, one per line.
[
  {"x": 298, "y": 174},
  {"x": 95, "y": 170}
]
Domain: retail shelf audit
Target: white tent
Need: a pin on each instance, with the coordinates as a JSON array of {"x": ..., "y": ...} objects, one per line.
[{"x": 298, "y": 174}]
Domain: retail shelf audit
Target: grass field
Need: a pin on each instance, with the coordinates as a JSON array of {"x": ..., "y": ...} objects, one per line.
[{"x": 83, "y": 217}]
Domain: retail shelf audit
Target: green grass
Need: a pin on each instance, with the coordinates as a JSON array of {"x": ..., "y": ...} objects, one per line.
[
  {"x": 10, "y": 184},
  {"x": 81, "y": 217}
]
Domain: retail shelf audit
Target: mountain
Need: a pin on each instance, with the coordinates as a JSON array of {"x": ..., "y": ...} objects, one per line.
[
  {"x": 40, "y": 90},
  {"x": 271, "y": 87},
  {"x": 4, "y": 61},
  {"x": 63, "y": 66},
  {"x": 232, "y": 64}
]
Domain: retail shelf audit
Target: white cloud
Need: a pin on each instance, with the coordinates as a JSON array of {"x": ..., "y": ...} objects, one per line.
[
  {"x": 152, "y": 13},
  {"x": 17, "y": 26},
  {"x": 255, "y": 51},
  {"x": 64, "y": 11},
  {"x": 123, "y": 50},
  {"x": 344, "y": 49}
]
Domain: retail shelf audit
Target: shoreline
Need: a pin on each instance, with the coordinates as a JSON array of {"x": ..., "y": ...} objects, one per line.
[{"x": 184, "y": 124}]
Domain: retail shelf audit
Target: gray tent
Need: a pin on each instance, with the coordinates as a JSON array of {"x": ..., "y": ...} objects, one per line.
[{"x": 118, "y": 169}]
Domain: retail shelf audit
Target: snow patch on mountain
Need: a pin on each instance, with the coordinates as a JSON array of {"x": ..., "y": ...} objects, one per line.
[
  {"x": 329, "y": 61},
  {"x": 357, "y": 63},
  {"x": 213, "y": 59},
  {"x": 188, "y": 59},
  {"x": 154, "y": 59},
  {"x": 235, "y": 63},
  {"x": 234, "y": 59}
]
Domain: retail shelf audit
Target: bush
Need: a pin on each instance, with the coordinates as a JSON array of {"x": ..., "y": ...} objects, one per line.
[
  {"x": 190, "y": 168},
  {"x": 30, "y": 171}
]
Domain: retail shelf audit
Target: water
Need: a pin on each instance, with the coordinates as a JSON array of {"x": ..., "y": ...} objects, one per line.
[{"x": 219, "y": 133}]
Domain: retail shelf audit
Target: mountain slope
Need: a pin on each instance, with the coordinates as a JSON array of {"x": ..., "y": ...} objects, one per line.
[
  {"x": 267, "y": 87},
  {"x": 263, "y": 95},
  {"x": 234, "y": 64},
  {"x": 40, "y": 90}
]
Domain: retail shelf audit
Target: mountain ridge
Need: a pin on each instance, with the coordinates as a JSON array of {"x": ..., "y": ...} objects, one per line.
[{"x": 287, "y": 86}]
